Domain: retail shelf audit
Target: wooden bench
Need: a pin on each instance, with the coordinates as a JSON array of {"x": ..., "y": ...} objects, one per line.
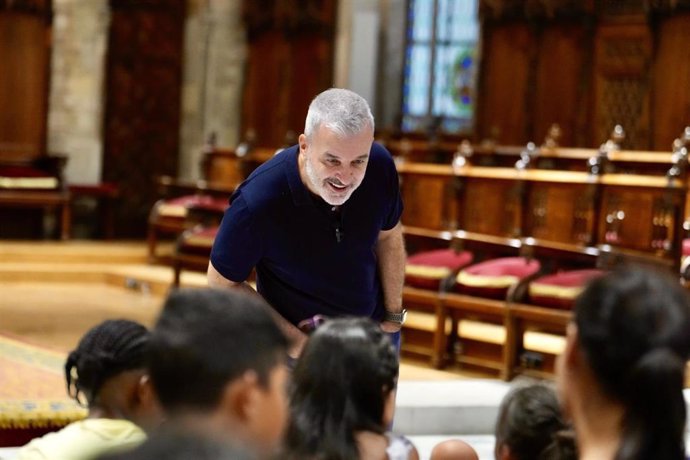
[{"x": 37, "y": 183}]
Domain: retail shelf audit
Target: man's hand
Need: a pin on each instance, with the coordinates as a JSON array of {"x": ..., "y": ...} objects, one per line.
[
  {"x": 297, "y": 344},
  {"x": 390, "y": 327}
]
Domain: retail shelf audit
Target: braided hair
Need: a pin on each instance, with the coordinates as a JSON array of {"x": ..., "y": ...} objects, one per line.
[{"x": 112, "y": 347}]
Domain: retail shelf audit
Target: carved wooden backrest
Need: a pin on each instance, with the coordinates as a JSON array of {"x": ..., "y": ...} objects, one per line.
[
  {"x": 428, "y": 199},
  {"x": 642, "y": 214},
  {"x": 561, "y": 212}
]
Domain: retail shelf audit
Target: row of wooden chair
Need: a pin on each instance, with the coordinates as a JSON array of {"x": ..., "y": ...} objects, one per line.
[
  {"x": 546, "y": 222},
  {"x": 188, "y": 204}
]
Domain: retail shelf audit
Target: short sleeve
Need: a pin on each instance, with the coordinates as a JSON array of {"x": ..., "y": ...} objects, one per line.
[
  {"x": 395, "y": 204},
  {"x": 237, "y": 247}
]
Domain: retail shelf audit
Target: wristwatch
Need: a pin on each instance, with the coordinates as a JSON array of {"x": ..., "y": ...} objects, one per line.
[{"x": 398, "y": 318}]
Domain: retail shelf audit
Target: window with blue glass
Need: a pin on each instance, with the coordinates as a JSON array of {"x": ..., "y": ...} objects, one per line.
[{"x": 440, "y": 65}]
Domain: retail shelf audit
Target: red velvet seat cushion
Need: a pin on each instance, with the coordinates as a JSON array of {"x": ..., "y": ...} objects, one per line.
[
  {"x": 23, "y": 177},
  {"x": 22, "y": 171},
  {"x": 427, "y": 269},
  {"x": 177, "y": 207},
  {"x": 197, "y": 240},
  {"x": 559, "y": 290},
  {"x": 492, "y": 278}
]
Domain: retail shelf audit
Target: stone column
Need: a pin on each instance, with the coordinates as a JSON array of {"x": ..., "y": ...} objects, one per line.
[
  {"x": 214, "y": 58},
  {"x": 75, "y": 115}
]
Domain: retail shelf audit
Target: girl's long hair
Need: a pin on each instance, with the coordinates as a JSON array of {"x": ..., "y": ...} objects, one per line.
[{"x": 340, "y": 384}]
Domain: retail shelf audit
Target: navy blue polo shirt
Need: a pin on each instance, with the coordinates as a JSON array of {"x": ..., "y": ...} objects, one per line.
[{"x": 274, "y": 223}]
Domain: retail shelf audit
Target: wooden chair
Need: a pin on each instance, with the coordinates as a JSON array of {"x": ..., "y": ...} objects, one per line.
[
  {"x": 37, "y": 182},
  {"x": 222, "y": 170},
  {"x": 637, "y": 219}
]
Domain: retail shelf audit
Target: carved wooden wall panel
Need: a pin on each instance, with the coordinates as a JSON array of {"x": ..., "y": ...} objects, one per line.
[
  {"x": 290, "y": 61},
  {"x": 561, "y": 87},
  {"x": 25, "y": 30},
  {"x": 671, "y": 99},
  {"x": 590, "y": 65},
  {"x": 622, "y": 83},
  {"x": 425, "y": 198},
  {"x": 507, "y": 55},
  {"x": 142, "y": 103}
]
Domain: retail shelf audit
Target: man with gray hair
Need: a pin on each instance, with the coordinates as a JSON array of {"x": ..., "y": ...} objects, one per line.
[{"x": 320, "y": 222}]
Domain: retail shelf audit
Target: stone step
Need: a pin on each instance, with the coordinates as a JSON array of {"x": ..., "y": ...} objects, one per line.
[
  {"x": 448, "y": 407},
  {"x": 431, "y": 411},
  {"x": 73, "y": 251}
]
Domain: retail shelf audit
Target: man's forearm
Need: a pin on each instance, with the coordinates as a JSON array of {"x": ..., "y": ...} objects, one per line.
[
  {"x": 294, "y": 335},
  {"x": 390, "y": 251}
]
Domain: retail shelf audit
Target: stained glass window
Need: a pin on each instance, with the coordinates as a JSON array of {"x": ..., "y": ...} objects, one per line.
[{"x": 440, "y": 65}]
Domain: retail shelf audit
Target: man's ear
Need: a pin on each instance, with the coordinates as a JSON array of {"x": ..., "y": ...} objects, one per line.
[
  {"x": 503, "y": 453},
  {"x": 240, "y": 395},
  {"x": 146, "y": 395},
  {"x": 302, "y": 141},
  {"x": 571, "y": 353}
]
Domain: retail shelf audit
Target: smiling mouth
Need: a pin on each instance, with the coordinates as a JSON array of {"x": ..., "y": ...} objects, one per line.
[{"x": 338, "y": 187}]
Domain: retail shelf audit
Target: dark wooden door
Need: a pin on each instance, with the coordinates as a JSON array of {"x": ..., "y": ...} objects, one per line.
[
  {"x": 290, "y": 61},
  {"x": 142, "y": 111},
  {"x": 25, "y": 30}
]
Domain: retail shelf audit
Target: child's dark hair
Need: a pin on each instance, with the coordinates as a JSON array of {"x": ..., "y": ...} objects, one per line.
[
  {"x": 108, "y": 349},
  {"x": 340, "y": 386},
  {"x": 206, "y": 338},
  {"x": 531, "y": 425},
  {"x": 634, "y": 329}
]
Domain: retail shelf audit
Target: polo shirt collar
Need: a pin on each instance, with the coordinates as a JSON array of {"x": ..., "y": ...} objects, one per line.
[{"x": 301, "y": 195}]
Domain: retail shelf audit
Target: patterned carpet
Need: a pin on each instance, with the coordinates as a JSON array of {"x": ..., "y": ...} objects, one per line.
[{"x": 33, "y": 398}]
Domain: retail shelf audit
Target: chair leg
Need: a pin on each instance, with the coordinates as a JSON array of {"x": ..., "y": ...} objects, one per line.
[
  {"x": 176, "y": 274},
  {"x": 65, "y": 221},
  {"x": 439, "y": 351},
  {"x": 151, "y": 241},
  {"x": 509, "y": 348}
]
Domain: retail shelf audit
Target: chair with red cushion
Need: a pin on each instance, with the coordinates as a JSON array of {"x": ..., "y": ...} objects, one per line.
[
  {"x": 427, "y": 269},
  {"x": 192, "y": 250},
  {"x": 480, "y": 293},
  {"x": 427, "y": 274},
  {"x": 34, "y": 182},
  {"x": 559, "y": 290},
  {"x": 170, "y": 216},
  {"x": 493, "y": 278}
]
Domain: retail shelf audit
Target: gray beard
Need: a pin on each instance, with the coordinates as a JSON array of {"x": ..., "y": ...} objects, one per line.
[{"x": 318, "y": 185}]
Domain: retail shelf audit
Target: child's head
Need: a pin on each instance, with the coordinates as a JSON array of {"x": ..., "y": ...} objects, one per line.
[
  {"x": 629, "y": 343},
  {"x": 218, "y": 355},
  {"x": 343, "y": 382},
  {"x": 453, "y": 449},
  {"x": 106, "y": 372},
  {"x": 530, "y": 426}
]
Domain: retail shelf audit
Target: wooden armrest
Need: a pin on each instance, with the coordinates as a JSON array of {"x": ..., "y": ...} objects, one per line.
[
  {"x": 488, "y": 239},
  {"x": 562, "y": 248},
  {"x": 170, "y": 186},
  {"x": 609, "y": 255},
  {"x": 444, "y": 235}
]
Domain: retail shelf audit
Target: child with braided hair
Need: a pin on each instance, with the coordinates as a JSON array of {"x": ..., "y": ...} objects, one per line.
[{"x": 105, "y": 373}]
